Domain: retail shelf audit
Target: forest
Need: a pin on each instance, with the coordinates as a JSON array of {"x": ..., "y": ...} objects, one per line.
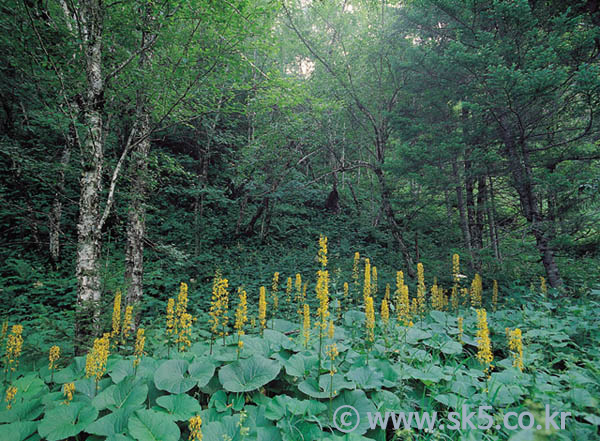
[{"x": 226, "y": 220}]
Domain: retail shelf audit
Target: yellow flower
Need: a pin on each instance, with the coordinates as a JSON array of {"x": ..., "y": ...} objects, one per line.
[
  {"x": 355, "y": 268},
  {"x": 241, "y": 312},
  {"x": 495, "y": 295},
  {"x": 140, "y": 341},
  {"x": 306, "y": 325},
  {"x": 332, "y": 352},
  {"x": 421, "y": 304},
  {"x": 127, "y": 321},
  {"x": 185, "y": 331},
  {"x": 484, "y": 345},
  {"x": 346, "y": 293},
  {"x": 298, "y": 296},
  {"x": 195, "y": 426},
  {"x": 370, "y": 319},
  {"x": 95, "y": 362},
  {"x": 288, "y": 290},
  {"x": 331, "y": 330},
  {"x": 543, "y": 287},
  {"x": 116, "y": 315},
  {"x": 322, "y": 254},
  {"x": 322, "y": 289},
  {"x": 403, "y": 305},
  {"x": 455, "y": 268},
  {"x": 476, "y": 291},
  {"x": 11, "y": 392},
  {"x": 274, "y": 291},
  {"x": 68, "y": 391},
  {"x": 385, "y": 312},
  {"x": 374, "y": 281},
  {"x": 53, "y": 356},
  {"x": 367, "y": 283},
  {"x": 14, "y": 344},
  {"x": 182, "y": 300},
  {"x": 454, "y": 298},
  {"x": 460, "y": 330},
  {"x": 219, "y": 306},
  {"x": 515, "y": 344},
  {"x": 262, "y": 308},
  {"x": 171, "y": 316}
]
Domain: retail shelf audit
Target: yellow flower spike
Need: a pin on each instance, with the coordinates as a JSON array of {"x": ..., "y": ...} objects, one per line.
[
  {"x": 387, "y": 292},
  {"x": 460, "y": 330},
  {"x": 14, "y": 344},
  {"x": 484, "y": 345},
  {"x": 306, "y": 325},
  {"x": 170, "y": 316},
  {"x": 421, "y": 303},
  {"x": 322, "y": 289},
  {"x": 241, "y": 316},
  {"x": 543, "y": 286},
  {"x": 195, "y": 426},
  {"x": 374, "y": 281},
  {"x": 11, "y": 392},
  {"x": 455, "y": 268},
  {"x": 385, "y": 312},
  {"x": 53, "y": 357},
  {"x": 370, "y": 319},
  {"x": 346, "y": 294},
  {"x": 476, "y": 292},
  {"x": 332, "y": 352},
  {"x": 185, "y": 329},
  {"x": 515, "y": 344},
  {"x": 454, "y": 298},
  {"x": 403, "y": 306},
  {"x": 288, "y": 290},
  {"x": 262, "y": 308},
  {"x": 322, "y": 254},
  {"x": 95, "y": 361},
  {"x": 495, "y": 295},
  {"x": 367, "y": 280},
  {"x": 355, "y": 276},
  {"x": 116, "y": 315},
  {"x": 68, "y": 391},
  {"x": 140, "y": 341},
  {"x": 274, "y": 291},
  {"x": 331, "y": 329},
  {"x": 127, "y": 322}
]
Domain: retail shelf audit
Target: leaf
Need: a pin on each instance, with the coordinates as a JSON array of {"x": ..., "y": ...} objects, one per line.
[
  {"x": 150, "y": 425},
  {"x": 170, "y": 377},
  {"x": 67, "y": 420},
  {"x": 250, "y": 374},
  {"x": 300, "y": 365},
  {"x": 22, "y": 411},
  {"x": 128, "y": 393},
  {"x": 202, "y": 371},
  {"x": 18, "y": 431},
  {"x": 359, "y": 401},
  {"x": 366, "y": 377},
  {"x": 181, "y": 407},
  {"x": 324, "y": 388},
  {"x": 113, "y": 424}
]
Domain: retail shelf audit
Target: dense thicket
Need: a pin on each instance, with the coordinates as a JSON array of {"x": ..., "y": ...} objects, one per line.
[{"x": 146, "y": 143}]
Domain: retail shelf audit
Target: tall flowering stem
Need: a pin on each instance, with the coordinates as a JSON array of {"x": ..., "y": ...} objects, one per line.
[
  {"x": 476, "y": 291},
  {"x": 53, "y": 357},
  {"x": 322, "y": 290},
  {"x": 306, "y": 325},
  {"x": 484, "y": 344},
  {"x": 95, "y": 361},
  {"x": 515, "y": 344},
  {"x": 241, "y": 317},
  {"x": 367, "y": 280},
  {"x": 219, "y": 305},
  {"x": 262, "y": 309},
  {"x": 116, "y": 315},
  {"x": 369, "y": 323},
  {"x": 275, "y": 297},
  {"x": 495, "y": 295},
  {"x": 14, "y": 345},
  {"x": 140, "y": 341},
  {"x": 421, "y": 290}
]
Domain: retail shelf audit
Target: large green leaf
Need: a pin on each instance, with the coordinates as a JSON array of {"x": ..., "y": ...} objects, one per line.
[
  {"x": 172, "y": 377},
  {"x": 357, "y": 400},
  {"x": 149, "y": 425},
  {"x": 67, "y": 420},
  {"x": 128, "y": 393},
  {"x": 249, "y": 374},
  {"x": 201, "y": 370},
  {"x": 300, "y": 365},
  {"x": 181, "y": 407},
  {"x": 18, "y": 431},
  {"x": 111, "y": 425},
  {"x": 366, "y": 377}
]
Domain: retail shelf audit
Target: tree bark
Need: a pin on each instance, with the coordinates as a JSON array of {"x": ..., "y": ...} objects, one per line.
[
  {"x": 136, "y": 226},
  {"x": 493, "y": 228},
  {"x": 464, "y": 224},
  {"x": 522, "y": 175},
  {"x": 481, "y": 203},
  {"x": 88, "y": 231}
]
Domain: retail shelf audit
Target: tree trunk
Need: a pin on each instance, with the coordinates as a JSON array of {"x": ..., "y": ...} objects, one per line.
[
  {"x": 89, "y": 235},
  {"x": 481, "y": 203},
  {"x": 462, "y": 212},
  {"x": 136, "y": 226},
  {"x": 391, "y": 217},
  {"x": 522, "y": 176},
  {"x": 493, "y": 228},
  {"x": 54, "y": 218}
]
